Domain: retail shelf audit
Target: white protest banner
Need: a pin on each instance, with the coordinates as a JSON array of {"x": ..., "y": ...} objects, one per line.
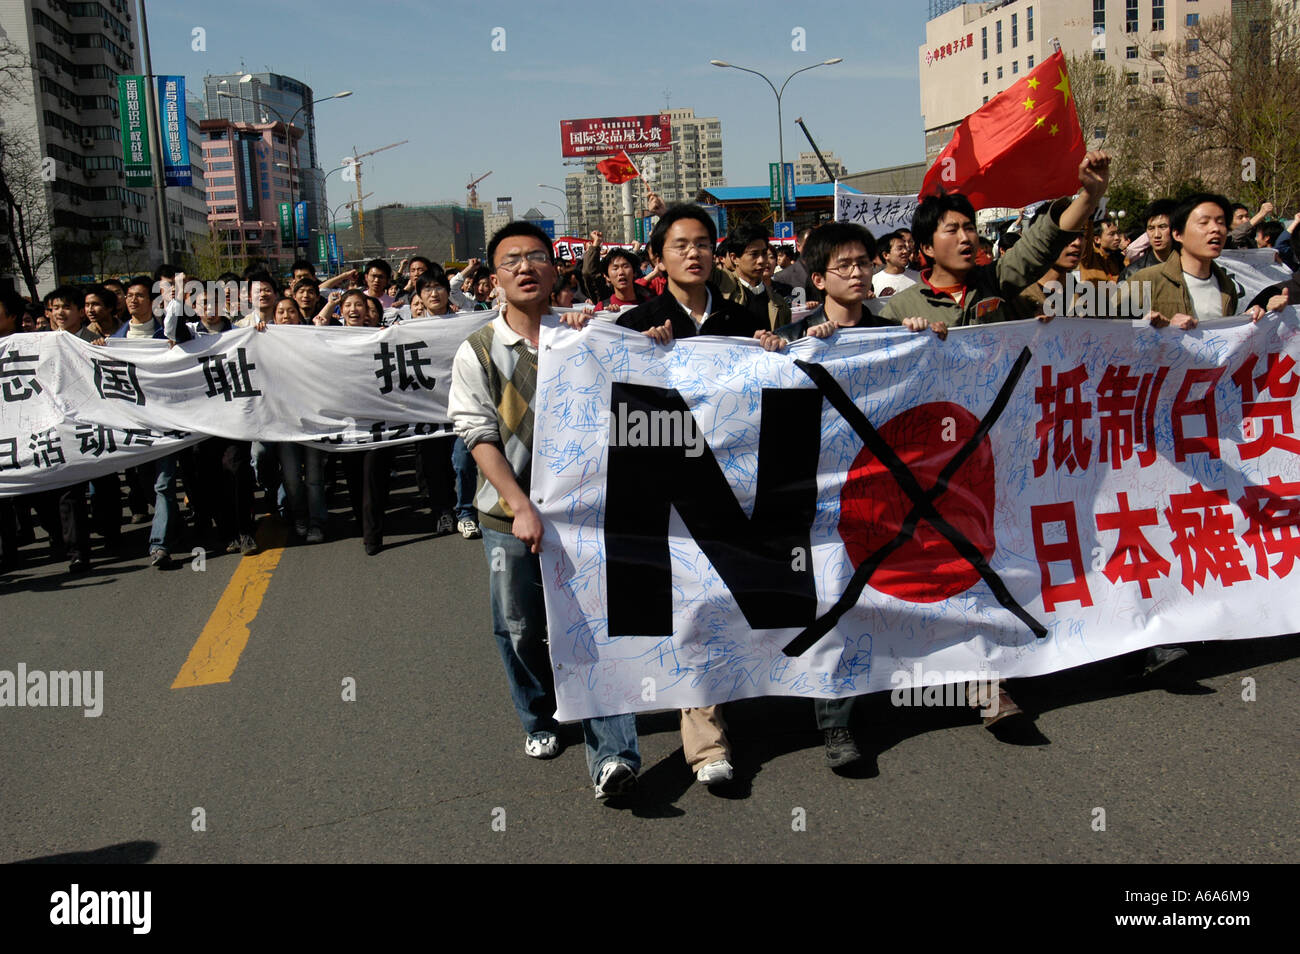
[
  {"x": 724, "y": 522},
  {"x": 70, "y": 411},
  {"x": 1253, "y": 270},
  {"x": 879, "y": 213}
]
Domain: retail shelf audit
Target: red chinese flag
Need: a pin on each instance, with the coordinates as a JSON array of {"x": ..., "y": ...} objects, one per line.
[
  {"x": 618, "y": 169},
  {"x": 1023, "y": 145}
]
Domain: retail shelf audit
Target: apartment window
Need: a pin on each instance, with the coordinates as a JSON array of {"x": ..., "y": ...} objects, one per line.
[
  {"x": 999, "y": 72},
  {"x": 1193, "y": 72},
  {"x": 1157, "y": 14},
  {"x": 1099, "y": 132},
  {"x": 986, "y": 79},
  {"x": 1015, "y": 67},
  {"x": 1098, "y": 107},
  {"x": 1193, "y": 45},
  {"x": 986, "y": 99},
  {"x": 1132, "y": 102},
  {"x": 1099, "y": 80},
  {"x": 1193, "y": 19},
  {"x": 1029, "y": 63},
  {"x": 1029, "y": 25},
  {"x": 1130, "y": 16},
  {"x": 1099, "y": 55},
  {"x": 1157, "y": 51},
  {"x": 1099, "y": 14},
  {"x": 1130, "y": 79},
  {"x": 1131, "y": 53},
  {"x": 998, "y": 35},
  {"x": 1015, "y": 31},
  {"x": 984, "y": 43},
  {"x": 1193, "y": 99},
  {"x": 1132, "y": 132},
  {"x": 1158, "y": 78}
]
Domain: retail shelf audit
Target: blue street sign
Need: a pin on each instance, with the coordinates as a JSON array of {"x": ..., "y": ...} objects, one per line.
[
  {"x": 547, "y": 226},
  {"x": 785, "y": 230}
]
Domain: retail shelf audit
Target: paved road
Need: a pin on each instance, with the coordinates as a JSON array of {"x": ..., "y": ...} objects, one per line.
[{"x": 430, "y": 753}]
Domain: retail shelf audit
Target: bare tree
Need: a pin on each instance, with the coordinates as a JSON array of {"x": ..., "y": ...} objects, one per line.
[
  {"x": 1235, "y": 87},
  {"x": 24, "y": 176}
]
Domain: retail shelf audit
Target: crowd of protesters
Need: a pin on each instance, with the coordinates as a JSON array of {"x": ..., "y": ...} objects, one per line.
[{"x": 928, "y": 278}]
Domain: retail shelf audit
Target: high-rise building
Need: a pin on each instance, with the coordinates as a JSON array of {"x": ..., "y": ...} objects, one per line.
[
  {"x": 693, "y": 162},
  {"x": 187, "y": 207},
  {"x": 443, "y": 233},
  {"x": 65, "y": 110},
  {"x": 974, "y": 51},
  {"x": 808, "y": 168},
  {"x": 247, "y": 180},
  {"x": 258, "y": 98}
]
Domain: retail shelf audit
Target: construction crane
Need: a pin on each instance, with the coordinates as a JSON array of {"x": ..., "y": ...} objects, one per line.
[
  {"x": 361, "y": 212},
  {"x": 472, "y": 189}
]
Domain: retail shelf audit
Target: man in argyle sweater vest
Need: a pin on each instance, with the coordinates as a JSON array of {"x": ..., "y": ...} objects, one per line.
[{"x": 494, "y": 379}]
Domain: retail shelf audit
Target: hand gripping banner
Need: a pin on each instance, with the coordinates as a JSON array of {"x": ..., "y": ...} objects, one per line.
[{"x": 723, "y": 522}]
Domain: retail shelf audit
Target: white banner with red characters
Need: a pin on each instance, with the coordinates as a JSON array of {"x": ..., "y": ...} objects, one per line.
[{"x": 882, "y": 508}]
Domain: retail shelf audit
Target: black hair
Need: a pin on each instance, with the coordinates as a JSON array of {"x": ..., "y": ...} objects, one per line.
[
  {"x": 516, "y": 229},
  {"x": 302, "y": 263},
  {"x": 114, "y": 281},
  {"x": 1238, "y": 205},
  {"x": 1270, "y": 229},
  {"x": 305, "y": 281},
  {"x": 432, "y": 277},
  {"x": 1008, "y": 240},
  {"x": 144, "y": 280},
  {"x": 744, "y": 236},
  {"x": 263, "y": 276},
  {"x": 1178, "y": 218},
  {"x": 887, "y": 240},
  {"x": 825, "y": 239},
  {"x": 380, "y": 264},
  {"x": 68, "y": 294},
  {"x": 227, "y": 277},
  {"x": 420, "y": 258},
  {"x": 165, "y": 270},
  {"x": 675, "y": 214},
  {"x": 13, "y": 305},
  {"x": 109, "y": 298},
  {"x": 352, "y": 292},
  {"x": 617, "y": 253},
  {"x": 925, "y": 222},
  {"x": 1165, "y": 207}
]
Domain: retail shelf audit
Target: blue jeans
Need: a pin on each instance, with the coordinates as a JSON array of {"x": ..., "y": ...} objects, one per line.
[
  {"x": 297, "y": 460},
  {"x": 519, "y": 622},
  {"x": 466, "y": 481},
  {"x": 166, "y": 511}
]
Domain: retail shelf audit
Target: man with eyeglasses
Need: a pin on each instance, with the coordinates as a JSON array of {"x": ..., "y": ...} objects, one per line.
[
  {"x": 684, "y": 239},
  {"x": 494, "y": 382}
]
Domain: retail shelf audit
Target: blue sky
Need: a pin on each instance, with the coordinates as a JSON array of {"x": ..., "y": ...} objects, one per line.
[{"x": 426, "y": 71}]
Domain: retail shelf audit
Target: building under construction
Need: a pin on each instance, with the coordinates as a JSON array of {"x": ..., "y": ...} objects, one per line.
[{"x": 442, "y": 233}]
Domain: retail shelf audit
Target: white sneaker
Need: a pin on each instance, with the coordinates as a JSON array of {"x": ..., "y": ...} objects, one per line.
[
  {"x": 715, "y": 772},
  {"x": 446, "y": 523},
  {"x": 616, "y": 778},
  {"x": 542, "y": 745},
  {"x": 469, "y": 529}
]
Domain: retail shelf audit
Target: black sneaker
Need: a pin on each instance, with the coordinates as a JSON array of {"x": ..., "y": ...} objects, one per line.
[
  {"x": 841, "y": 750},
  {"x": 78, "y": 564},
  {"x": 247, "y": 545},
  {"x": 160, "y": 558}
]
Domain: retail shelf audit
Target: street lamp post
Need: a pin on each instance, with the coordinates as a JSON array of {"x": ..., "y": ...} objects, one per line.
[
  {"x": 780, "y": 132},
  {"x": 563, "y": 212},
  {"x": 543, "y": 185}
]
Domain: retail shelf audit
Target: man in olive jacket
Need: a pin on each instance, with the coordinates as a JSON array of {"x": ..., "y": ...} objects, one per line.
[{"x": 958, "y": 292}]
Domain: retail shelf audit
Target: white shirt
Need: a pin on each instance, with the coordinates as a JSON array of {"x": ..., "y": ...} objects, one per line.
[
  {"x": 708, "y": 309},
  {"x": 904, "y": 279},
  {"x": 1204, "y": 292}
]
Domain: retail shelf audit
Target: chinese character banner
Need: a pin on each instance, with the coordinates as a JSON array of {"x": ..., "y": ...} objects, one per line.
[
  {"x": 1018, "y": 499},
  {"x": 136, "y": 162},
  {"x": 71, "y": 411},
  {"x": 176, "y": 142}
]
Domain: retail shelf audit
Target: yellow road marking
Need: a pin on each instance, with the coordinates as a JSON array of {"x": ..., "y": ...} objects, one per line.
[{"x": 216, "y": 652}]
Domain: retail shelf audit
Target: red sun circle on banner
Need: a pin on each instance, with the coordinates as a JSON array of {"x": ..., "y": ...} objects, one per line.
[{"x": 926, "y": 568}]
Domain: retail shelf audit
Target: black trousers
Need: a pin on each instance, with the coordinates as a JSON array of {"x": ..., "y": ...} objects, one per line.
[
  {"x": 434, "y": 473},
  {"x": 66, "y": 518},
  {"x": 367, "y": 477},
  {"x": 223, "y": 487}
]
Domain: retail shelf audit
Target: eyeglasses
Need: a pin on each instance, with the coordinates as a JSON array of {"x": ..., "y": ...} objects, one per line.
[
  {"x": 681, "y": 248},
  {"x": 513, "y": 263},
  {"x": 847, "y": 269}
]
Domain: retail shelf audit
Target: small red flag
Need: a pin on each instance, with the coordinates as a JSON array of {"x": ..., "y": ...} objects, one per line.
[
  {"x": 618, "y": 169},
  {"x": 1023, "y": 145}
]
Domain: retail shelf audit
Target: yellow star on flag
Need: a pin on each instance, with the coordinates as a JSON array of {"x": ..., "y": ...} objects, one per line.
[
  {"x": 1033, "y": 83},
  {"x": 1064, "y": 85},
  {"x": 1054, "y": 130},
  {"x": 1039, "y": 121},
  {"x": 1028, "y": 104}
]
